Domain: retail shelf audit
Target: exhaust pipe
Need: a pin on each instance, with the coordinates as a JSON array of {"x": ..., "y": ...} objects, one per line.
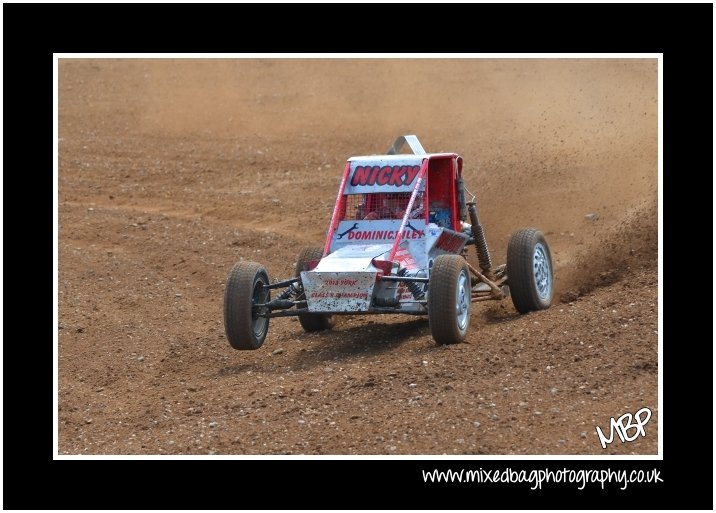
[{"x": 461, "y": 199}]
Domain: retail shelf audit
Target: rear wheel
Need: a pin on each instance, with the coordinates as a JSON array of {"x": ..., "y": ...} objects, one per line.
[
  {"x": 245, "y": 287},
  {"x": 312, "y": 322},
  {"x": 449, "y": 299},
  {"x": 529, "y": 271}
]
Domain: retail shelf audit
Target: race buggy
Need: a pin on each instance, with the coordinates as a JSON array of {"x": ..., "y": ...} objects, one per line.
[{"x": 397, "y": 243}]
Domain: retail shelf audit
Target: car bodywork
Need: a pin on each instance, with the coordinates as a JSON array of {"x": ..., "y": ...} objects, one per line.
[{"x": 360, "y": 255}]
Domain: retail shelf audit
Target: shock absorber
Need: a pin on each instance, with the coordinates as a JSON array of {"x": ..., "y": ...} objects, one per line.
[
  {"x": 415, "y": 289},
  {"x": 483, "y": 252},
  {"x": 286, "y": 294},
  {"x": 283, "y": 300}
]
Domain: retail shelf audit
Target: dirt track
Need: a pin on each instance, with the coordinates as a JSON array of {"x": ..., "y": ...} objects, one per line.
[{"x": 170, "y": 171}]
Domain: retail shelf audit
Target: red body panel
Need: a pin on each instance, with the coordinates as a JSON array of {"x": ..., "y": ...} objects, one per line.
[{"x": 338, "y": 209}]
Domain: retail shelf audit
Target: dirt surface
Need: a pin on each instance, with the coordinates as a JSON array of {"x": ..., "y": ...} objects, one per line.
[{"x": 170, "y": 171}]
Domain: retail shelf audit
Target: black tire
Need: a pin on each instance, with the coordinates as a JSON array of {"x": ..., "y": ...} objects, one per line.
[
  {"x": 449, "y": 299},
  {"x": 244, "y": 288},
  {"x": 312, "y": 322},
  {"x": 529, "y": 271}
]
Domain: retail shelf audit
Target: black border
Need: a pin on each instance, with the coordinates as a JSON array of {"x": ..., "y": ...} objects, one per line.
[{"x": 32, "y": 480}]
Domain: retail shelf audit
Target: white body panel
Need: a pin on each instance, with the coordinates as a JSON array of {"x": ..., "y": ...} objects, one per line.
[
  {"x": 346, "y": 280},
  {"x": 377, "y": 232},
  {"x": 338, "y": 291}
]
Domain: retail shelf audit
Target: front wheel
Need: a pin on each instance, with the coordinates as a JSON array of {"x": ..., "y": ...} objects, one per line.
[
  {"x": 529, "y": 271},
  {"x": 246, "y": 287},
  {"x": 307, "y": 259},
  {"x": 449, "y": 299}
]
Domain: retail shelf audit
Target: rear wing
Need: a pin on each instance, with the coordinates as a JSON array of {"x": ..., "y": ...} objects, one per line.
[{"x": 411, "y": 141}]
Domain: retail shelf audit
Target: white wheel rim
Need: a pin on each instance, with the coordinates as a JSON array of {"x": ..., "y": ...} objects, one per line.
[
  {"x": 463, "y": 301},
  {"x": 542, "y": 272}
]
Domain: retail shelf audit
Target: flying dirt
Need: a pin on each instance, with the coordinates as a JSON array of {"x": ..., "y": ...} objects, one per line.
[{"x": 173, "y": 170}]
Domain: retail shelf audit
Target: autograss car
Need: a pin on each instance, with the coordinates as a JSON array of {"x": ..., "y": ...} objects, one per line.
[{"x": 396, "y": 243}]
